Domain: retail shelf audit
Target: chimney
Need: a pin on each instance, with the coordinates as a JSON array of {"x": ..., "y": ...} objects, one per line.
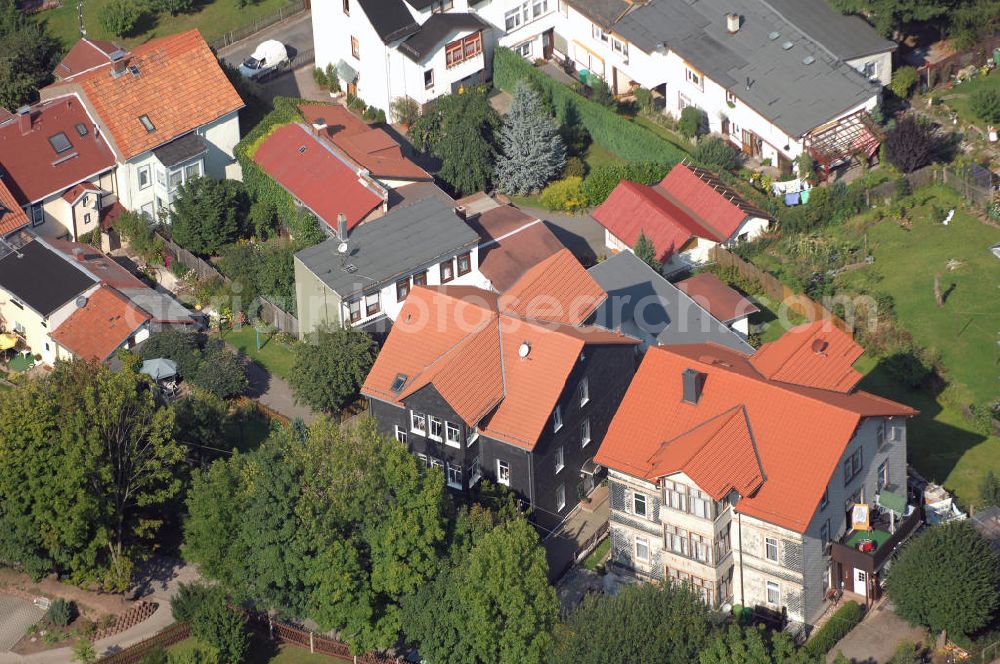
[
  {"x": 732, "y": 22},
  {"x": 461, "y": 212},
  {"x": 694, "y": 382},
  {"x": 118, "y": 63},
  {"x": 342, "y": 226},
  {"x": 24, "y": 119},
  {"x": 319, "y": 124}
]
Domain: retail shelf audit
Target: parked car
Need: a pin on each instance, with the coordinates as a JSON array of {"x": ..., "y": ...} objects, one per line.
[{"x": 267, "y": 58}]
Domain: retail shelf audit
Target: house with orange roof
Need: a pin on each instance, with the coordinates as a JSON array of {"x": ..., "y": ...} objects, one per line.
[
  {"x": 512, "y": 387},
  {"x": 766, "y": 480},
  {"x": 685, "y": 215},
  {"x": 165, "y": 108},
  {"x": 100, "y": 324}
]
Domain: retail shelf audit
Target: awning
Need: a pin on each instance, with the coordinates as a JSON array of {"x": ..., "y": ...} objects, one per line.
[
  {"x": 589, "y": 467},
  {"x": 7, "y": 341},
  {"x": 346, "y": 72},
  {"x": 892, "y": 501},
  {"x": 159, "y": 368}
]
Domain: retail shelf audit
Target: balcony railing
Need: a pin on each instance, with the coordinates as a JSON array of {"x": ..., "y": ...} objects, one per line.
[{"x": 872, "y": 562}]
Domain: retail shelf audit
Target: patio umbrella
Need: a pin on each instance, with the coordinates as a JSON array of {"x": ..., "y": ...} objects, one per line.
[
  {"x": 7, "y": 341},
  {"x": 159, "y": 368}
]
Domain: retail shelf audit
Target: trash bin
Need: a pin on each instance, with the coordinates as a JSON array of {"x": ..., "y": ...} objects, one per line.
[
  {"x": 996, "y": 56},
  {"x": 583, "y": 76}
]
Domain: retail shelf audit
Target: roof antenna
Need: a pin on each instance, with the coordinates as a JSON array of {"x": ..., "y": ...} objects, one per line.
[{"x": 79, "y": 14}]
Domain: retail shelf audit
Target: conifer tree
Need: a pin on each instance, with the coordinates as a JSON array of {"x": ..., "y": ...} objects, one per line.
[{"x": 532, "y": 152}]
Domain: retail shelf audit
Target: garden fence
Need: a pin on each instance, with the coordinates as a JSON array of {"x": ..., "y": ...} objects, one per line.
[
  {"x": 134, "y": 654},
  {"x": 778, "y": 292},
  {"x": 937, "y": 73},
  {"x": 244, "y": 31},
  {"x": 973, "y": 182},
  {"x": 316, "y": 643},
  {"x": 584, "y": 549},
  {"x": 270, "y": 312}
]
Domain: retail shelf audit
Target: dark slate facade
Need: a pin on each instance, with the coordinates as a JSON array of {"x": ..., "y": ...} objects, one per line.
[{"x": 533, "y": 475}]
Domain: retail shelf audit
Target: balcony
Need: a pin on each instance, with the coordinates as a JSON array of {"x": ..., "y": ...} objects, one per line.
[{"x": 868, "y": 550}]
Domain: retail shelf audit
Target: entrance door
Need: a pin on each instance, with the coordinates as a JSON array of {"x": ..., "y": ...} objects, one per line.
[
  {"x": 860, "y": 582},
  {"x": 753, "y": 145},
  {"x": 352, "y": 89},
  {"x": 547, "y": 41}
]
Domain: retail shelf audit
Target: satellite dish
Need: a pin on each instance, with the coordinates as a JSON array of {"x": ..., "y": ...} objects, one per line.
[
  {"x": 524, "y": 349},
  {"x": 342, "y": 248},
  {"x": 81, "y": 302}
]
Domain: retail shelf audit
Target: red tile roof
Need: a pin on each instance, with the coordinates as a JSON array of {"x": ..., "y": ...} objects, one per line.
[
  {"x": 12, "y": 216},
  {"x": 85, "y": 54},
  {"x": 724, "y": 303},
  {"x": 506, "y": 258},
  {"x": 370, "y": 147},
  {"x": 102, "y": 266},
  {"x": 688, "y": 202},
  {"x": 104, "y": 323},
  {"x": 34, "y": 169},
  {"x": 799, "y": 433},
  {"x": 457, "y": 340},
  {"x": 77, "y": 191},
  {"x": 557, "y": 289},
  {"x": 179, "y": 87},
  {"x": 314, "y": 174},
  {"x": 815, "y": 355}
]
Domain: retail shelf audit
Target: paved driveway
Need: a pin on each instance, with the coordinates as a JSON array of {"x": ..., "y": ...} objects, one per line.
[
  {"x": 295, "y": 33},
  {"x": 875, "y": 638},
  {"x": 16, "y": 616}
]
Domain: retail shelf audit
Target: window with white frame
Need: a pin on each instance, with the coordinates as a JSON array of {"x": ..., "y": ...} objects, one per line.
[
  {"x": 883, "y": 475},
  {"x": 771, "y": 549},
  {"x": 641, "y": 549},
  {"x": 526, "y": 12},
  {"x": 435, "y": 462},
  {"x": 557, "y": 418},
  {"x": 18, "y": 328},
  {"x": 475, "y": 473},
  {"x": 401, "y": 434},
  {"x": 584, "y": 391},
  {"x": 694, "y": 77},
  {"x": 524, "y": 49},
  {"x": 584, "y": 432},
  {"x": 560, "y": 460},
  {"x": 730, "y": 98},
  {"x": 852, "y": 465},
  {"x": 639, "y": 504},
  {"x": 503, "y": 472},
  {"x": 560, "y": 497},
  {"x": 676, "y": 540},
  {"x": 428, "y": 79},
  {"x": 144, "y": 178},
  {"x": 539, "y": 7},
  {"x": 418, "y": 423},
  {"x": 773, "y": 593},
  {"x": 453, "y": 434},
  {"x": 700, "y": 505},
  {"x": 436, "y": 428},
  {"x": 423, "y": 458},
  {"x": 454, "y": 475},
  {"x": 825, "y": 500},
  {"x": 354, "y": 310},
  {"x": 372, "y": 304},
  {"x": 824, "y": 533},
  {"x": 880, "y": 434},
  {"x": 599, "y": 34},
  {"x": 618, "y": 46},
  {"x": 869, "y": 69},
  {"x": 563, "y": 8}
]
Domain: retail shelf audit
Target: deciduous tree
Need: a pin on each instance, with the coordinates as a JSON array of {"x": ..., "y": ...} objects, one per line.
[
  {"x": 753, "y": 645},
  {"x": 961, "y": 595},
  {"x": 119, "y": 17},
  {"x": 532, "y": 152},
  {"x": 206, "y": 214},
  {"x": 909, "y": 144},
  {"x": 331, "y": 366},
  {"x": 28, "y": 54},
  {"x": 989, "y": 489}
]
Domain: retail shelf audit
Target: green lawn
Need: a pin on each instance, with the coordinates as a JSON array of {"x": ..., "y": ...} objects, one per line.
[
  {"x": 774, "y": 325},
  {"x": 664, "y": 133},
  {"x": 958, "y": 98},
  {"x": 261, "y": 652},
  {"x": 213, "y": 17},
  {"x": 598, "y": 555},
  {"x": 942, "y": 443},
  {"x": 275, "y": 355}
]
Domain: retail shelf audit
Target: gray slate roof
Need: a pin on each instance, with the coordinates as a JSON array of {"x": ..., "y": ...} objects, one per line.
[
  {"x": 42, "y": 278},
  {"x": 181, "y": 149},
  {"x": 665, "y": 314},
  {"x": 434, "y": 31},
  {"x": 390, "y": 18},
  {"x": 794, "y": 96},
  {"x": 847, "y": 37},
  {"x": 389, "y": 247}
]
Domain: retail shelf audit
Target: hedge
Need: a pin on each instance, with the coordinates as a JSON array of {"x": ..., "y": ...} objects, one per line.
[
  {"x": 609, "y": 129},
  {"x": 259, "y": 184},
  {"x": 840, "y": 623}
]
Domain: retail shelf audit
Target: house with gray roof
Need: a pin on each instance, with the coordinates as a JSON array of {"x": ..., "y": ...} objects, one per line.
[
  {"x": 644, "y": 305},
  {"x": 364, "y": 280}
]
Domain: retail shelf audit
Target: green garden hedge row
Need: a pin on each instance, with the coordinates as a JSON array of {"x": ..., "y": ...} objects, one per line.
[
  {"x": 608, "y": 129},
  {"x": 840, "y": 623}
]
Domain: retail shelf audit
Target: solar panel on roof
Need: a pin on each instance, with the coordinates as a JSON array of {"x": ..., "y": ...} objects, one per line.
[{"x": 81, "y": 129}]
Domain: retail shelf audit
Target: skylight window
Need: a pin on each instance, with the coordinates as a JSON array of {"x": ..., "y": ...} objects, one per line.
[
  {"x": 808, "y": 60},
  {"x": 773, "y": 35},
  {"x": 398, "y": 383},
  {"x": 147, "y": 123},
  {"x": 60, "y": 143},
  {"x": 81, "y": 129},
  {"x": 787, "y": 45}
]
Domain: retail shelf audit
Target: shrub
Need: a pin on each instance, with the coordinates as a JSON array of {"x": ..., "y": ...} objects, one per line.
[
  {"x": 603, "y": 180},
  {"x": 575, "y": 167},
  {"x": 908, "y": 367},
  {"x": 909, "y": 144},
  {"x": 158, "y": 655},
  {"x": 566, "y": 195},
  {"x": 644, "y": 97},
  {"x": 221, "y": 627},
  {"x": 985, "y": 105},
  {"x": 626, "y": 139},
  {"x": 840, "y": 623},
  {"x": 716, "y": 153},
  {"x": 600, "y": 92},
  {"x": 221, "y": 372},
  {"x": 189, "y": 598},
  {"x": 691, "y": 121},
  {"x": 903, "y": 80},
  {"x": 83, "y": 652},
  {"x": 319, "y": 76},
  {"x": 119, "y": 17},
  {"x": 60, "y": 613},
  {"x": 405, "y": 110}
]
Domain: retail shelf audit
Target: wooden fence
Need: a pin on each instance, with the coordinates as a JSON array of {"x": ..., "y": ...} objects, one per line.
[
  {"x": 778, "y": 292},
  {"x": 316, "y": 643},
  {"x": 291, "y": 9},
  {"x": 269, "y": 312},
  {"x": 938, "y": 73},
  {"x": 168, "y": 637},
  {"x": 973, "y": 183}
]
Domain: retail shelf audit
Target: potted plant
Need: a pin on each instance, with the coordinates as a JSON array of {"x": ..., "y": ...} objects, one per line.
[{"x": 405, "y": 111}]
